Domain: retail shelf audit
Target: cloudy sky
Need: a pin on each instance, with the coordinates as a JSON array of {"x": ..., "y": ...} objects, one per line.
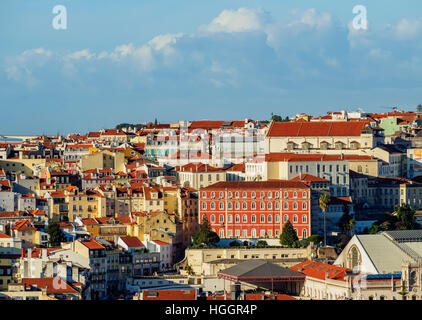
[{"x": 137, "y": 60}]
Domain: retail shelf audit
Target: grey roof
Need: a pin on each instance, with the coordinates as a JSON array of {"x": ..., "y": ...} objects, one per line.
[
  {"x": 388, "y": 250},
  {"x": 405, "y": 235},
  {"x": 259, "y": 268},
  {"x": 386, "y": 256}
]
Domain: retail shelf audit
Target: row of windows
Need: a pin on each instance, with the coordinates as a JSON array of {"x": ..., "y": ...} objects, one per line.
[
  {"x": 262, "y": 218},
  {"x": 262, "y": 194},
  {"x": 254, "y": 234},
  {"x": 262, "y": 206}
]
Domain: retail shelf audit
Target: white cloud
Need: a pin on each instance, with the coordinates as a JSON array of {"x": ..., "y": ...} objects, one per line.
[
  {"x": 407, "y": 29},
  {"x": 241, "y": 20},
  {"x": 85, "y": 53}
]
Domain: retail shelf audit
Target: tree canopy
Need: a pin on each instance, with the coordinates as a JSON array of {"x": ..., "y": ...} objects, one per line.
[
  {"x": 205, "y": 235},
  {"x": 278, "y": 118},
  {"x": 346, "y": 222},
  {"x": 55, "y": 233},
  {"x": 403, "y": 218},
  {"x": 288, "y": 236}
]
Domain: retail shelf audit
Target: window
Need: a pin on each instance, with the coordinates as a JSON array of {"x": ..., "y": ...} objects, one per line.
[
  {"x": 277, "y": 205},
  {"x": 295, "y": 205},
  {"x": 253, "y": 205},
  {"x": 221, "y": 233},
  {"x": 212, "y": 205},
  {"x": 212, "y": 218},
  {"x": 237, "y": 218},
  {"x": 237, "y": 205},
  {"x": 286, "y": 206},
  {"x": 244, "y": 195},
  {"x": 253, "y": 218},
  {"x": 244, "y": 218},
  {"x": 221, "y": 217},
  {"x": 212, "y": 195},
  {"x": 230, "y": 206},
  {"x": 229, "y": 218},
  {"x": 244, "y": 205},
  {"x": 253, "y": 233},
  {"x": 253, "y": 195},
  {"x": 262, "y": 218},
  {"x": 270, "y": 218},
  {"x": 277, "y": 218},
  {"x": 270, "y": 206},
  {"x": 304, "y": 205},
  {"x": 262, "y": 206},
  {"x": 304, "y": 218},
  {"x": 295, "y": 218},
  {"x": 221, "y": 205},
  {"x": 286, "y": 218},
  {"x": 304, "y": 194}
]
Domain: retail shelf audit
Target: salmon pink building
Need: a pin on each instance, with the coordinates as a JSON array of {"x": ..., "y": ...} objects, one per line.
[{"x": 256, "y": 209}]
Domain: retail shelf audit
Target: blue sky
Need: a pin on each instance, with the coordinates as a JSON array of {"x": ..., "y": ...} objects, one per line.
[{"x": 135, "y": 60}]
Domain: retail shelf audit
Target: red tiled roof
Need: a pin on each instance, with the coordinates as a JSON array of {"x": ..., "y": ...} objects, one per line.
[
  {"x": 24, "y": 225},
  {"x": 270, "y": 184},
  {"x": 132, "y": 242},
  {"x": 52, "y": 285},
  {"x": 4, "y": 236},
  {"x": 309, "y": 178},
  {"x": 314, "y": 129},
  {"x": 321, "y": 270},
  {"x": 160, "y": 243},
  {"x": 36, "y": 252},
  {"x": 92, "y": 244}
]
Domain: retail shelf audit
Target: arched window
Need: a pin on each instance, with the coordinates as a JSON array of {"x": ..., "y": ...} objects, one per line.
[
  {"x": 237, "y": 205},
  {"x": 253, "y": 205},
  {"x": 245, "y": 218},
  {"x": 304, "y": 194},
  {"x": 270, "y": 218},
  {"x": 277, "y": 205},
  {"x": 295, "y": 194},
  {"x": 295, "y": 205},
  {"x": 253, "y": 195},
  {"x": 212, "y": 218},
  {"x": 221, "y": 218},
  {"x": 295, "y": 218},
  {"x": 244, "y": 195},
  {"x": 229, "y": 218},
  {"x": 270, "y": 194},
  {"x": 237, "y": 194},
  {"x": 286, "y": 206},
  {"x": 237, "y": 218},
  {"x": 286, "y": 218},
  {"x": 262, "y": 218},
  {"x": 221, "y": 195},
  {"x": 204, "y": 206},
  {"x": 221, "y": 233},
  {"x": 277, "y": 218},
  {"x": 304, "y": 205},
  {"x": 212, "y": 205},
  {"x": 221, "y": 205},
  {"x": 304, "y": 218},
  {"x": 253, "y": 218},
  {"x": 270, "y": 206},
  {"x": 244, "y": 205},
  {"x": 304, "y": 234},
  {"x": 262, "y": 205},
  {"x": 204, "y": 217},
  {"x": 230, "y": 206},
  {"x": 212, "y": 195}
]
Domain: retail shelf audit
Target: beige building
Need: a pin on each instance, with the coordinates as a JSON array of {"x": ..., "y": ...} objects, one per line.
[
  {"x": 349, "y": 137},
  {"x": 209, "y": 261},
  {"x": 105, "y": 159},
  {"x": 200, "y": 175}
]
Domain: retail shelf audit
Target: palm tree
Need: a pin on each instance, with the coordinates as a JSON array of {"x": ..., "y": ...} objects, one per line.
[{"x": 324, "y": 200}]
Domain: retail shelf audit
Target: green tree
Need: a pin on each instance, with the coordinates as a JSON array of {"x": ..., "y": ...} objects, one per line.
[
  {"x": 346, "y": 222},
  {"x": 276, "y": 118},
  {"x": 324, "y": 201},
  {"x": 316, "y": 238},
  {"x": 55, "y": 233},
  {"x": 205, "y": 235},
  {"x": 288, "y": 236},
  {"x": 261, "y": 244},
  {"x": 406, "y": 215}
]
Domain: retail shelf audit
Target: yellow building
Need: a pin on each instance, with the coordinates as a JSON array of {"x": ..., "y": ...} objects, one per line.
[
  {"x": 7, "y": 269},
  {"x": 104, "y": 159}
]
